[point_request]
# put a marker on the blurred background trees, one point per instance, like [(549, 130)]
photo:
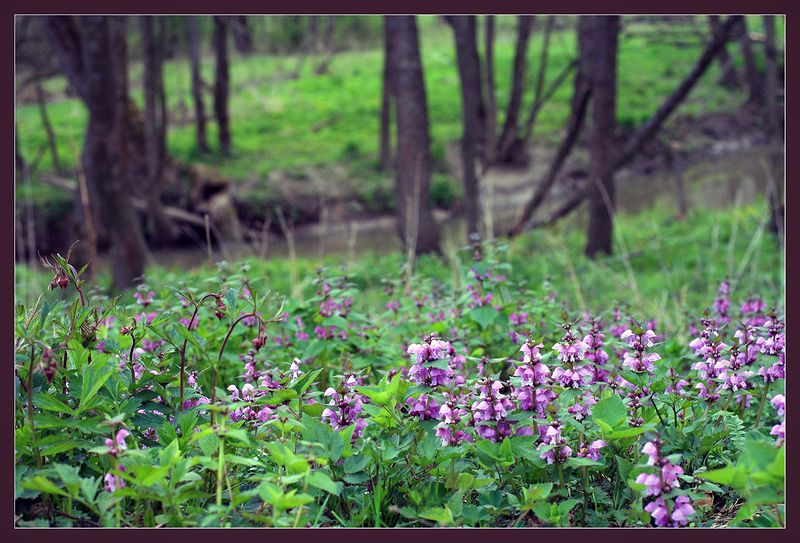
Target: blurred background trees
[(502, 123)]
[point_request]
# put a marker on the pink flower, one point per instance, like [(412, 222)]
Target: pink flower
[(114, 482), (118, 444), (779, 403)]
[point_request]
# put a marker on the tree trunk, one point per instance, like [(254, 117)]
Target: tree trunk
[(647, 130), (48, 128), (509, 132), (729, 78), (221, 84), (161, 228), (469, 71), (386, 109), (774, 127), (93, 55), (603, 74), (752, 77), (580, 101), (490, 139), (197, 85), (416, 225), (242, 38)]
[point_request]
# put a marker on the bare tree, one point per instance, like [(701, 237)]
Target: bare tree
[(416, 225), (580, 101), (221, 84), (729, 77), (490, 140), (603, 75), (774, 125), (469, 71), (92, 52), (242, 38), (647, 130), (509, 132), (752, 76), (197, 84), (162, 230)]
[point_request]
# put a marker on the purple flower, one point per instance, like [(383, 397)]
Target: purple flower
[(682, 510), (518, 319), (637, 359), (651, 450), (591, 452), (344, 407), (430, 350), (117, 445), (423, 407), (113, 482), (652, 483), (779, 431), (144, 300), (779, 403)]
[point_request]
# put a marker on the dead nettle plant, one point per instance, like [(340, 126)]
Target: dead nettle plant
[(220, 309)]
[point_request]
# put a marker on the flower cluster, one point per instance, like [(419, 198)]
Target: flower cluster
[(637, 359), (345, 407), (426, 369), (665, 510)]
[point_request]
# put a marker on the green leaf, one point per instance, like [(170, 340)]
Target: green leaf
[(442, 515), (169, 455), (354, 464), (483, 315), (49, 402), (609, 413), (94, 377), (320, 479), (580, 462), (43, 484)]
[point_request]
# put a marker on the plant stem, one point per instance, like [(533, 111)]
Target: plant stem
[(30, 410), (214, 368), (761, 404), (220, 470), (130, 363), (183, 348)]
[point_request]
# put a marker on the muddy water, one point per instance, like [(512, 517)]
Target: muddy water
[(725, 177)]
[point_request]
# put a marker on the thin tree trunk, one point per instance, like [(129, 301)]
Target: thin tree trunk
[(752, 77), (729, 78), (242, 38), (774, 127), (652, 125), (469, 71), (330, 46), (416, 225), (540, 75), (221, 84), (580, 101), (490, 139), (386, 110), (162, 230), (48, 128), (603, 74), (197, 85), (509, 132)]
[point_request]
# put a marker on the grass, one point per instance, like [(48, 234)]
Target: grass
[(662, 268), (273, 115)]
